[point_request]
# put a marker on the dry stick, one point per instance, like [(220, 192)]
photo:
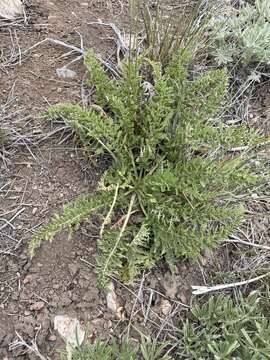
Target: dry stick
[(33, 348), (110, 67), (13, 218), (148, 307), (56, 42), (137, 299), (243, 242), (200, 290), (117, 32), (166, 320)]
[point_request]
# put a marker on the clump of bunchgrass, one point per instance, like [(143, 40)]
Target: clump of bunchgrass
[(168, 30)]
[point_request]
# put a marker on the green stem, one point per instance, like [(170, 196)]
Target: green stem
[(141, 206), (131, 203), (108, 216), (106, 148)]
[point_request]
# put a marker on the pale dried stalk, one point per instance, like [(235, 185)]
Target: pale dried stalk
[(201, 290)]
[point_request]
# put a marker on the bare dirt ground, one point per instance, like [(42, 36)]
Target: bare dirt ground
[(40, 170)]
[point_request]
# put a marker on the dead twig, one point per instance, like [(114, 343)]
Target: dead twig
[(72, 49), (32, 347), (201, 290), (236, 240), (9, 222)]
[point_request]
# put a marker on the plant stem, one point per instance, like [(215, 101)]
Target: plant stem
[(131, 203), (107, 218)]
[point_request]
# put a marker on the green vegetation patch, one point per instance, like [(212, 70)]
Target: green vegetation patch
[(174, 173)]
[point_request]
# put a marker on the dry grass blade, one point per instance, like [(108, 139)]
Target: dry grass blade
[(166, 32)]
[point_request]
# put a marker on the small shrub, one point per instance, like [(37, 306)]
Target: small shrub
[(244, 38), (173, 174), (222, 330)]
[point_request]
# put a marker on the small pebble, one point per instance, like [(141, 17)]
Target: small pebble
[(27, 279), (66, 73), (37, 306)]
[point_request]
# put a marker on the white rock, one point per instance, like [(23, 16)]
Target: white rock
[(165, 307), (10, 9), (111, 298), (65, 72), (71, 332)]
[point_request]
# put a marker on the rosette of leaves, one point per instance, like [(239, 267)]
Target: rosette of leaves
[(172, 187)]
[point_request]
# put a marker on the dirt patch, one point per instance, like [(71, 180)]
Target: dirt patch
[(37, 178)]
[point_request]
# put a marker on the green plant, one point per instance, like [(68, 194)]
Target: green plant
[(174, 173), (166, 32), (222, 330), (99, 350), (245, 36)]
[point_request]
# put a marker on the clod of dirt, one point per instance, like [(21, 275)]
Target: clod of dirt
[(10, 9), (37, 306), (169, 282), (27, 279), (165, 307), (26, 326), (73, 268)]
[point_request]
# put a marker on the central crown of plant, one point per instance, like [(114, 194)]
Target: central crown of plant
[(169, 192)]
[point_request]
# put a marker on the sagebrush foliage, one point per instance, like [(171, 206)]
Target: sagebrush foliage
[(245, 36), (222, 330), (173, 174)]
